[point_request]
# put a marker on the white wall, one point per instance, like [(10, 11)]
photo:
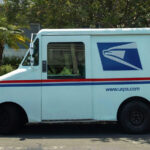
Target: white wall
[(8, 52)]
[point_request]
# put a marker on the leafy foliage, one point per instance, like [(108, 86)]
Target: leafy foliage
[(10, 35), (9, 64), (14, 61), (16, 11), (79, 13), (5, 69), (69, 14)]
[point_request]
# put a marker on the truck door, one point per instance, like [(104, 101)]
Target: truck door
[(65, 67)]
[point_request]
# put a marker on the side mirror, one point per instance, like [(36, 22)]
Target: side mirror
[(31, 53), (31, 48), (31, 45)]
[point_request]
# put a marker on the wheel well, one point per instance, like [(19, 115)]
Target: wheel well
[(135, 98), (19, 108)]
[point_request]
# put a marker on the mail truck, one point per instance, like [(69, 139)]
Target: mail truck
[(80, 75)]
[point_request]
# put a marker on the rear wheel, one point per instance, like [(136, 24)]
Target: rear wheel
[(9, 119), (134, 117)]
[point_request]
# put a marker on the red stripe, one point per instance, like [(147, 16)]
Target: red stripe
[(76, 80), (21, 81)]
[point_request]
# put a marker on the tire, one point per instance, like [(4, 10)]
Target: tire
[(9, 119), (134, 117)]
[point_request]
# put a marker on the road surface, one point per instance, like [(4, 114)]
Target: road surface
[(74, 137)]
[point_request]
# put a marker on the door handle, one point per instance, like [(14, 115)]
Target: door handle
[(44, 66)]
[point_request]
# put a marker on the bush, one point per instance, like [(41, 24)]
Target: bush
[(9, 64), (13, 61), (5, 69)]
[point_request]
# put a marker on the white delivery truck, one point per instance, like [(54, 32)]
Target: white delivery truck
[(80, 75)]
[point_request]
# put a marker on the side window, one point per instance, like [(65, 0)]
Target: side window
[(66, 60), (35, 55)]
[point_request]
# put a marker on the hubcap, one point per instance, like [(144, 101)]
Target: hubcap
[(136, 117)]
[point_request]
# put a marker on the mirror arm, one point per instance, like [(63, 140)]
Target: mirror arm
[(31, 54), (31, 37)]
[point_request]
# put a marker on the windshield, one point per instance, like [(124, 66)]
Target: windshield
[(26, 61)]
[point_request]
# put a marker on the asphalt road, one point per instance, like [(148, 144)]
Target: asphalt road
[(74, 137)]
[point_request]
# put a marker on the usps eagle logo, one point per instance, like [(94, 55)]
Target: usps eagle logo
[(119, 56)]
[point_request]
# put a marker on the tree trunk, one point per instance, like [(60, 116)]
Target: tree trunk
[(1, 52)]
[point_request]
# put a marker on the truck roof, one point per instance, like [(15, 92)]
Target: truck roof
[(112, 31)]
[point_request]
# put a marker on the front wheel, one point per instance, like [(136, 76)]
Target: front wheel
[(134, 117), (9, 119)]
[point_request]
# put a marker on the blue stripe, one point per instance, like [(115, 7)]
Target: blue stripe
[(74, 84)]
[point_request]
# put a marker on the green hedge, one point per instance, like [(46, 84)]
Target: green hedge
[(14, 61), (9, 64), (5, 69)]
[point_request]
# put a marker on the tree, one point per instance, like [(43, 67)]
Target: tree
[(69, 14), (16, 11), (10, 35), (79, 13)]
